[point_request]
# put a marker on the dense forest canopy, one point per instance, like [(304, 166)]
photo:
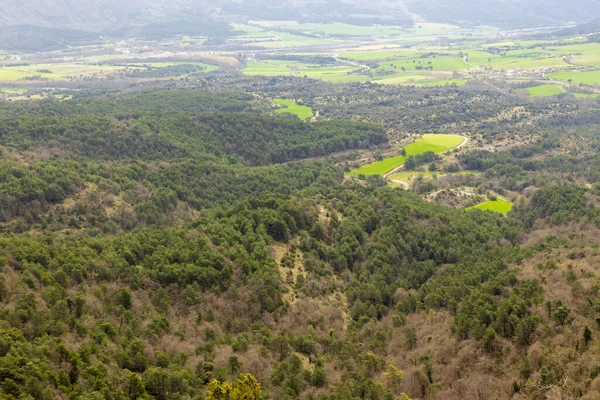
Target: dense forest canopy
[(218, 206)]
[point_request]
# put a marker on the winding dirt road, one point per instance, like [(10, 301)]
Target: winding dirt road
[(399, 167)]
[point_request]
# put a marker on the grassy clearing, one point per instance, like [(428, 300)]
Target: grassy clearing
[(545, 90), (577, 77), (56, 71), (429, 142), (582, 54), (500, 206), (432, 64), (256, 68), (420, 80), (333, 74), (585, 95), (303, 112), (525, 59)]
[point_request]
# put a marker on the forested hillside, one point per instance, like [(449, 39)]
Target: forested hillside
[(183, 244)]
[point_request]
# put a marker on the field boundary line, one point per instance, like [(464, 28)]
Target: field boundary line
[(397, 168)]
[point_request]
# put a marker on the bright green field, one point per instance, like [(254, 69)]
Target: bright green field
[(303, 112), (429, 142), (333, 74), (585, 95), (256, 68), (58, 71), (437, 63), (499, 206), (584, 54), (545, 90), (577, 77)]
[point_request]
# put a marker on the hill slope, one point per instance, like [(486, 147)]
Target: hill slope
[(110, 14)]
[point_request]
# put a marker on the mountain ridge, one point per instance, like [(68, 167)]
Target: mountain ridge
[(97, 16)]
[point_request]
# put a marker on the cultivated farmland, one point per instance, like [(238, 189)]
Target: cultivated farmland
[(428, 142), (499, 205), (291, 107)]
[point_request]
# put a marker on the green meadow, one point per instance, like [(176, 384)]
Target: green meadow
[(577, 77), (428, 142), (433, 64), (500, 206), (259, 68), (303, 112), (585, 95), (545, 90)]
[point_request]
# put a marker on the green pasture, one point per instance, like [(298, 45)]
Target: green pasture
[(303, 112), (259, 68), (581, 54), (412, 79), (57, 71), (577, 77), (425, 64), (428, 142), (545, 90), (585, 95), (333, 74), (499, 206)]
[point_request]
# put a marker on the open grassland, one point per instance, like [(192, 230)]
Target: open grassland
[(431, 64), (55, 71), (420, 79), (333, 74), (577, 77), (259, 68), (585, 95), (380, 55), (530, 60), (336, 74), (303, 112), (581, 54), (428, 142), (500, 206), (545, 90)]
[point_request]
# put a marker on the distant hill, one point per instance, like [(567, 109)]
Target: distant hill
[(50, 24), (506, 13)]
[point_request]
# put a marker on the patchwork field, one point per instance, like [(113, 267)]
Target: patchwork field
[(291, 107), (585, 95), (577, 77), (431, 64), (545, 90), (259, 68), (499, 206), (428, 142), (55, 72)]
